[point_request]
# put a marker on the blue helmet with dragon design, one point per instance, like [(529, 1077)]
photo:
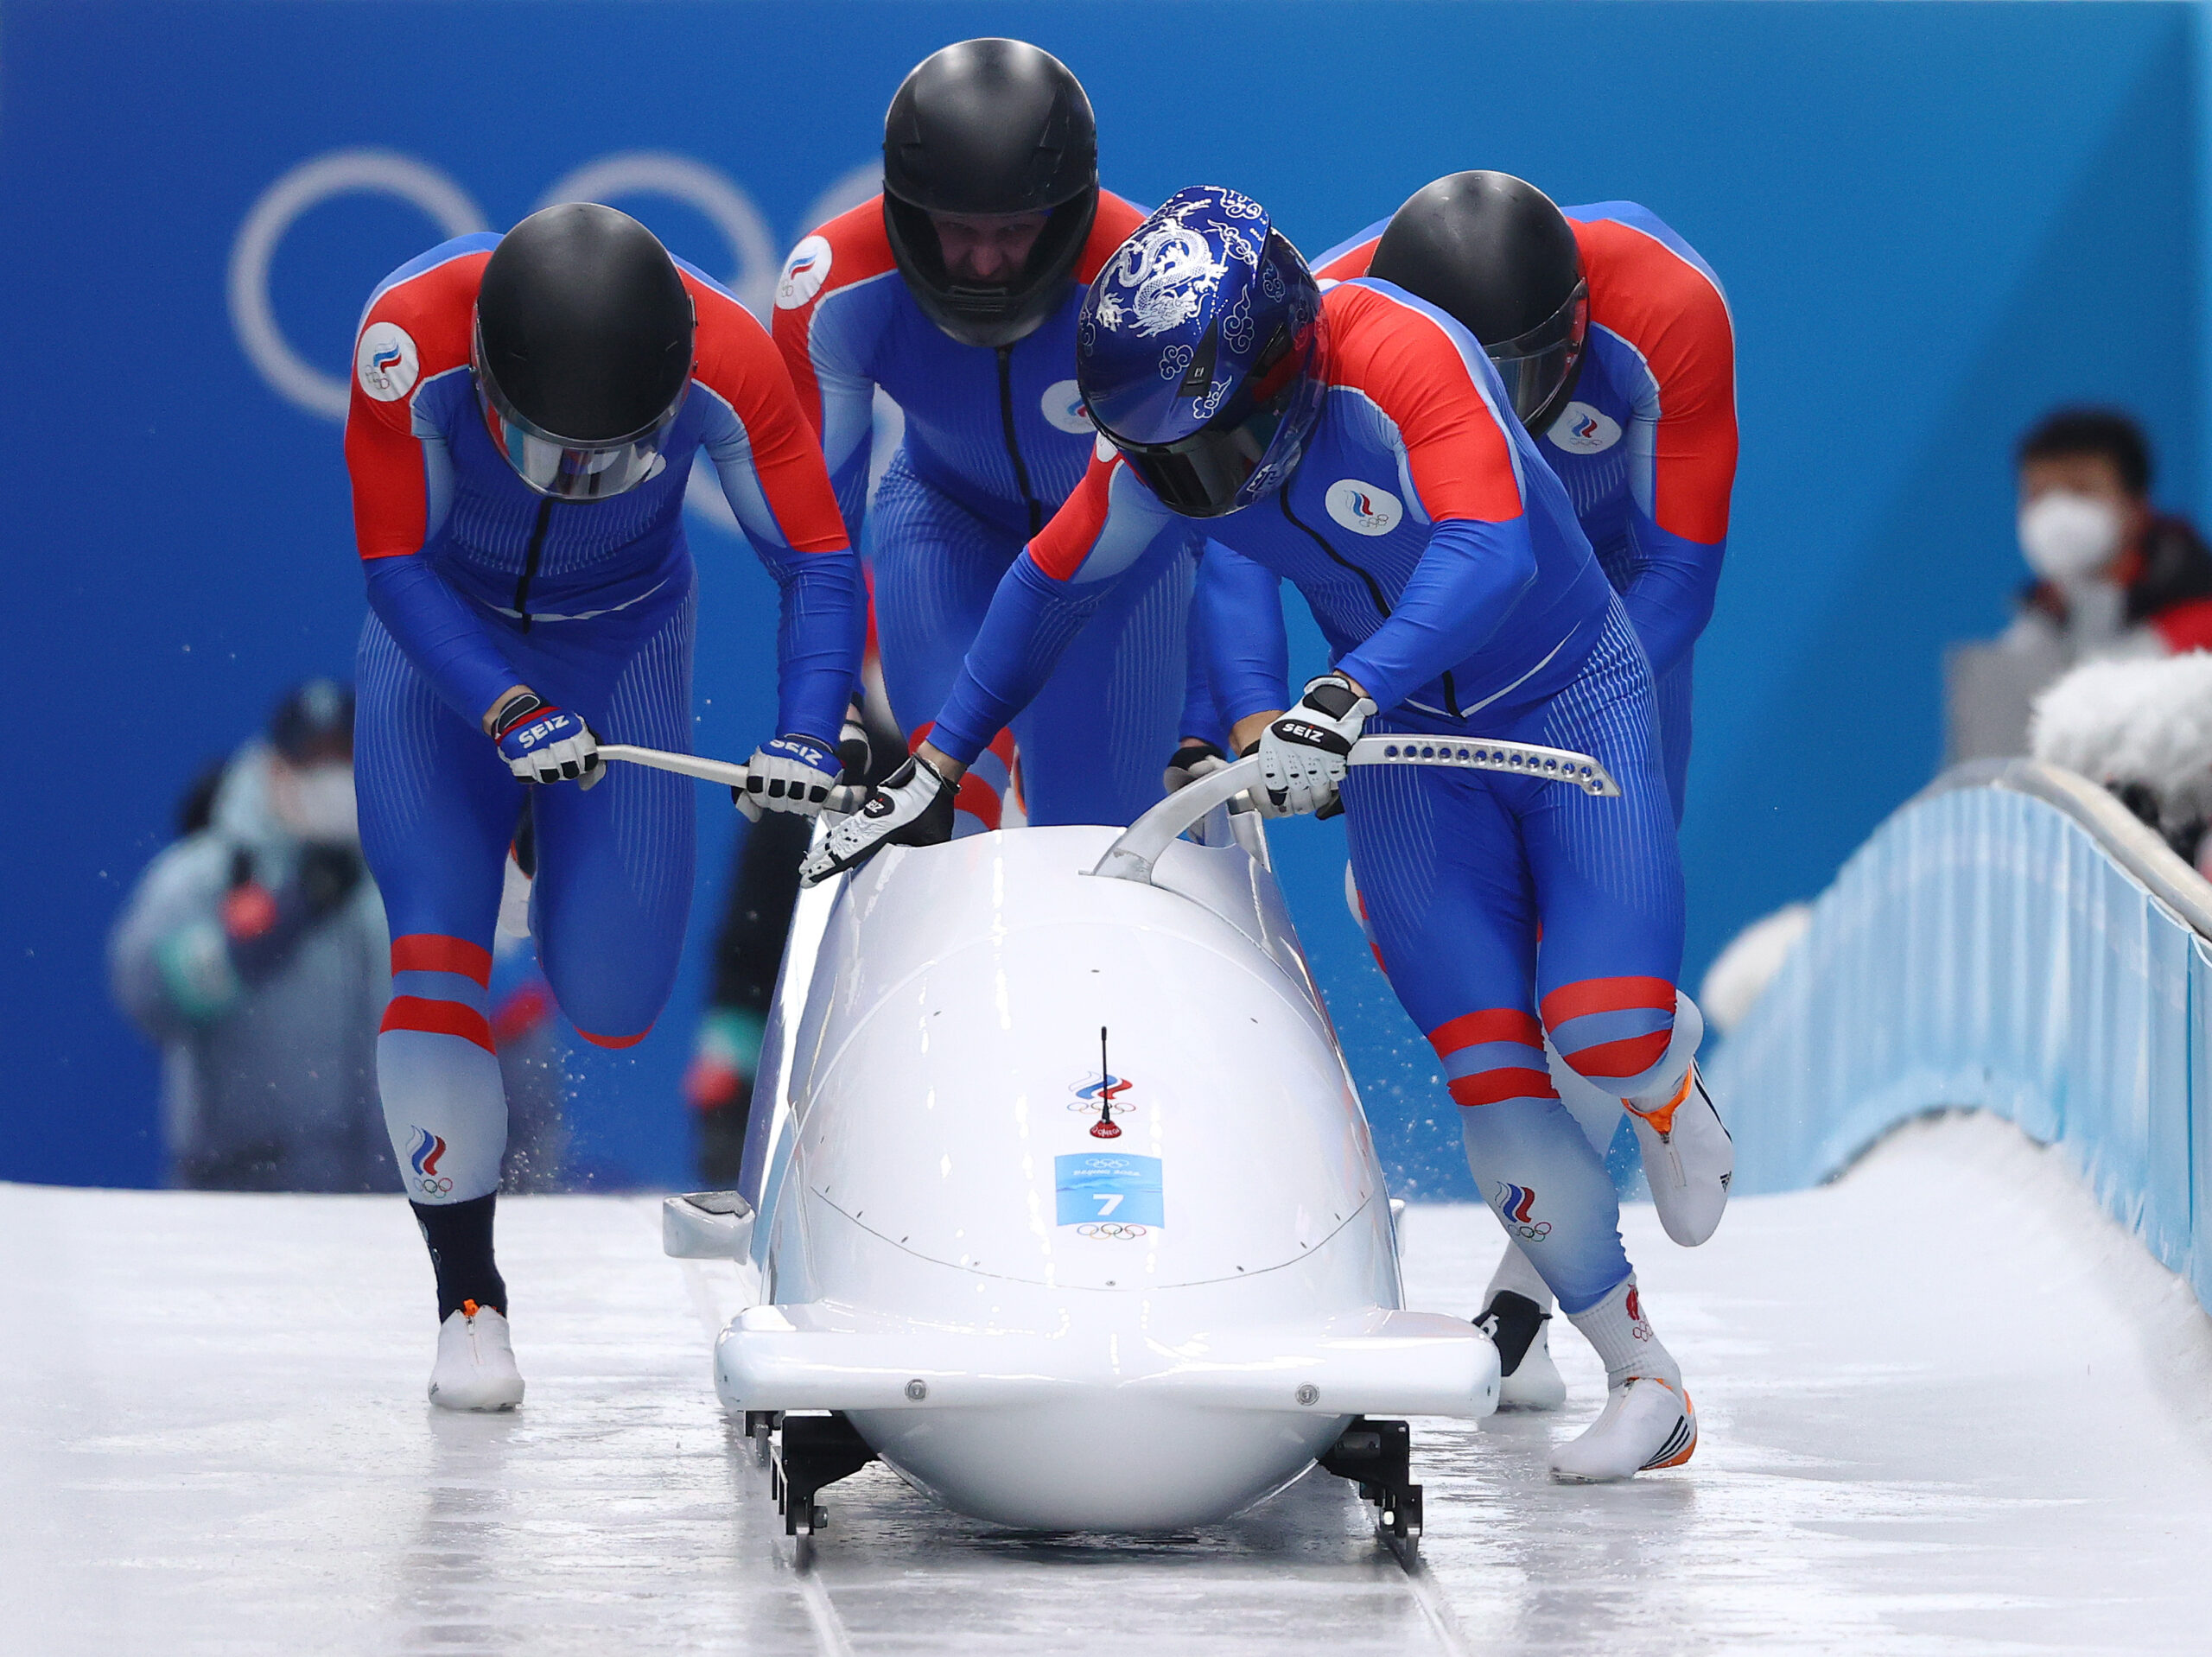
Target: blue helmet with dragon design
[(1199, 352)]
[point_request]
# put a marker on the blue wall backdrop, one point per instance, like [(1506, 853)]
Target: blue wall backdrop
[(1933, 221)]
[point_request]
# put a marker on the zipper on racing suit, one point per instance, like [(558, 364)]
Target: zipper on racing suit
[(1374, 586), (1013, 445), (530, 560)]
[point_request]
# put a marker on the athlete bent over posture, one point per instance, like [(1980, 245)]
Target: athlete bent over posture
[(524, 414), (1363, 446), (955, 292), (1614, 340)]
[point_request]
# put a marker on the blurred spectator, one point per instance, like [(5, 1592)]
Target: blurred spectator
[(2112, 577), (254, 951)]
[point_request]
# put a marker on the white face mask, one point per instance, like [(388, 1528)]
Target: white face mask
[(2069, 538), (317, 803)]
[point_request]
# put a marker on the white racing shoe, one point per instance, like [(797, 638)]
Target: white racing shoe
[(1647, 1420), (1689, 1158), (1646, 1424), (1527, 1379), (475, 1369)]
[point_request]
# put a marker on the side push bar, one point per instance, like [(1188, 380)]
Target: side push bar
[(1132, 856), (842, 798)]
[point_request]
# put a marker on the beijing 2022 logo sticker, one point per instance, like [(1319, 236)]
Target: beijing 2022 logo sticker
[(386, 362), (1363, 508), (804, 272)]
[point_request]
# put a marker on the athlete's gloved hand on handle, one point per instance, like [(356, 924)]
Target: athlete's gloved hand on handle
[(1194, 760), (791, 772), (1303, 755), (912, 807), (544, 744)]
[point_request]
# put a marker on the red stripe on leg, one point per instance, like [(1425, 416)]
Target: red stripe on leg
[(435, 952), (1631, 1055), (1493, 1086), (1489, 1024), (978, 799), (1589, 995), (435, 1018)]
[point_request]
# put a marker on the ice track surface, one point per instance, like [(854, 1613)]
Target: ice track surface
[(1948, 1407)]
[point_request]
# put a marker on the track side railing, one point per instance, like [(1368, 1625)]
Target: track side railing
[(2011, 939)]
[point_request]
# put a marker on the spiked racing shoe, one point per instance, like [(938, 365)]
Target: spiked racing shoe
[(475, 1369), (1529, 1380), (1646, 1424), (1689, 1158)]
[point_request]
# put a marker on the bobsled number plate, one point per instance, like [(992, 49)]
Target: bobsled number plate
[(1107, 1188)]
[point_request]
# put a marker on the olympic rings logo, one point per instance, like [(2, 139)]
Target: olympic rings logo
[(754, 260), (1109, 1228), (438, 1187)]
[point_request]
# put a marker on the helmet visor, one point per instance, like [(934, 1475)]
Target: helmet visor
[(1537, 365), (1210, 474), (565, 468)]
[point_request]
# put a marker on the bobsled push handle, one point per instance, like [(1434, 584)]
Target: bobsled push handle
[(843, 798), (1132, 856)]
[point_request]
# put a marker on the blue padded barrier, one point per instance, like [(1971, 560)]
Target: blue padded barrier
[(2012, 940)]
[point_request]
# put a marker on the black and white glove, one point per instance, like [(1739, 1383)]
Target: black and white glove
[(1192, 761), (544, 744), (791, 772), (1303, 755), (912, 807), (854, 751)]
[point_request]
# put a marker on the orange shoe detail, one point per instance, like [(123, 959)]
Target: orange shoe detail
[(1662, 1118)]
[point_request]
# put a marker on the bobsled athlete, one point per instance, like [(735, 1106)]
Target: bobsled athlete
[(1614, 341), (1363, 446), (955, 293), (525, 411)]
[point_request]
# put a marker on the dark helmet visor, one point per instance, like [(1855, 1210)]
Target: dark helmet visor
[(1538, 366), (562, 467), (1203, 475)]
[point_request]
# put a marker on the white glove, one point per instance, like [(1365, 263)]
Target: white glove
[(1303, 755), (544, 744), (789, 773), (913, 807)]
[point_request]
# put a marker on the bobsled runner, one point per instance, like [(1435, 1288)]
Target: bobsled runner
[(1057, 1196)]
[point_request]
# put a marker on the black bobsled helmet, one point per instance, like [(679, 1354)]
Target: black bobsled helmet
[(1493, 251), (583, 350), (986, 128)]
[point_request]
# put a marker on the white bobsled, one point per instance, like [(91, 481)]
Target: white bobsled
[(1059, 1196)]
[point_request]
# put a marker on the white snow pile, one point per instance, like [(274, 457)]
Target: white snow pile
[(1753, 959), (2147, 723)]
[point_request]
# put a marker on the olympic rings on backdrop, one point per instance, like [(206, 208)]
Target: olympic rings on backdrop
[(751, 273), (1111, 1229)]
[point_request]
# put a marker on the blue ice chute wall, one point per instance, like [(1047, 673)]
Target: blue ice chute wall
[(1933, 221), (2012, 940)]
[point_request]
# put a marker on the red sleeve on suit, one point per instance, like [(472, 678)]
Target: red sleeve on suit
[(1062, 545), (384, 457), (853, 247), (1670, 310), (1349, 264), (735, 358), (2185, 626), (1410, 367)]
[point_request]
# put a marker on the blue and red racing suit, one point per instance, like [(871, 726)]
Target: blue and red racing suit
[(1446, 568), (476, 584), (994, 439), (1646, 447)]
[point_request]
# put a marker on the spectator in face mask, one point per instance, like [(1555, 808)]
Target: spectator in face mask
[(2112, 577), (254, 951)]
